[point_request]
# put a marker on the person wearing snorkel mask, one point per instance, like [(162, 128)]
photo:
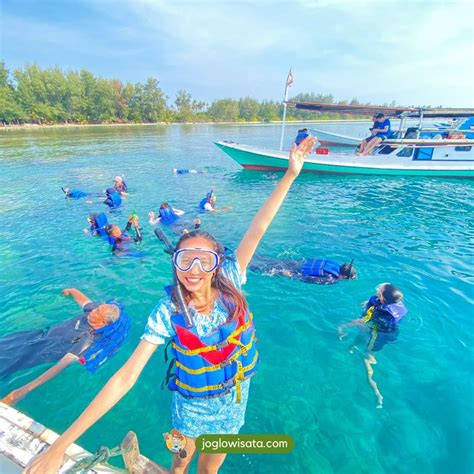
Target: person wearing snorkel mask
[(207, 319), (120, 186), (316, 271), (91, 338), (379, 323), (208, 203), (119, 239)]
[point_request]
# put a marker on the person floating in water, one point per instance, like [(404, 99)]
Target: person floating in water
[(120, 186), (91, 339), (97, 224), (75, 193), (318, 271), (206, 317), (382, 315), (113, 198), (187, 171), (208, 203), (120, 240), (302, 134), (167, 215)]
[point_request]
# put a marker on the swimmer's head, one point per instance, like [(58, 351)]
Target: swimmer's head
[(118, 179), (66, 190), (103, 315), (164, 205), (211, 197), (347, 271), (388, 293)]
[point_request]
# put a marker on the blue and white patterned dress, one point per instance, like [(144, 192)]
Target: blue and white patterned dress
[(196, 416)]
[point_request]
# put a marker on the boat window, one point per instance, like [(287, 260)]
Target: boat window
[(462, 148), (423, 153), (406, 152), (386, 150)]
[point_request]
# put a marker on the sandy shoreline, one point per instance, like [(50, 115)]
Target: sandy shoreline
[(31, 126)]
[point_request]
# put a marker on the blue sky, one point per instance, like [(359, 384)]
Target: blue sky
[(413, 52)]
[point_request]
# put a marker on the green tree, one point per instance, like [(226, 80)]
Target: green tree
[(224, 110), (184, 106), (249, 109)]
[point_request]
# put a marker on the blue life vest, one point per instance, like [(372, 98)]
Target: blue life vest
[(182, 171), (211, 365), (111, 338), (385, 317), (320, 267), (168, 216), (114, 200), (206, 200), (76, 194), (99, 224)]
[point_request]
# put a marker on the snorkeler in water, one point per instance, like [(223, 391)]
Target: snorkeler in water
[(167, 215), (317, 271), (120, 186), (120, 240), (208, 203), (75, 193), (113, 198), (91, 338), (382, 315), (187, 171)]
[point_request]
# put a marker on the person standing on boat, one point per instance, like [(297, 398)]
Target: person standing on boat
[(214, 348), (380, 131), (91, 338)]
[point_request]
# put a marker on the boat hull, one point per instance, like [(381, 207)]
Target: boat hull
[(254, 158)]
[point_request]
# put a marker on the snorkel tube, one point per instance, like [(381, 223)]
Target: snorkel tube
[(179, 292)]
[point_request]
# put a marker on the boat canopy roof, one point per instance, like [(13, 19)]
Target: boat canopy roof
[(387, 111)]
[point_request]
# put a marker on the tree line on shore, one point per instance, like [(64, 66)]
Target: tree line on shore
[(53, 96)]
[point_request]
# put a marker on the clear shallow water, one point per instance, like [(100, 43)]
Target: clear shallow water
[(416, 233)]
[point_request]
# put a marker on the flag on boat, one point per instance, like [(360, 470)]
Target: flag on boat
[(289, 79)]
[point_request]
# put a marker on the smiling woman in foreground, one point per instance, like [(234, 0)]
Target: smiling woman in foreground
[(215, 355)]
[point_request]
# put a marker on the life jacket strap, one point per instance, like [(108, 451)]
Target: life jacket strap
[(168, 375), (243, 350), (372, 338), (234, 381), (369, 314)]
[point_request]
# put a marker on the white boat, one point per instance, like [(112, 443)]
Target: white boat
[(22, 438), (440, 158)]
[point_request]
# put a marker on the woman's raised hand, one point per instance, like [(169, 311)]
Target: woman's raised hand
[(298, 154)]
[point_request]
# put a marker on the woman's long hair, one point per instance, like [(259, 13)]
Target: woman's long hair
[(233, 300)]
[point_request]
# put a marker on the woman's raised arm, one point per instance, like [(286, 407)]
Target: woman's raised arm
[(265, 215), (122, 381)]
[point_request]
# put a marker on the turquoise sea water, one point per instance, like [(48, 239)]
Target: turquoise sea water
[(415, 233)]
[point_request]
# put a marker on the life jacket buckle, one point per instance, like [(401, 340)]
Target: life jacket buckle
[(221, 345), (228, 383), (226, 363)]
